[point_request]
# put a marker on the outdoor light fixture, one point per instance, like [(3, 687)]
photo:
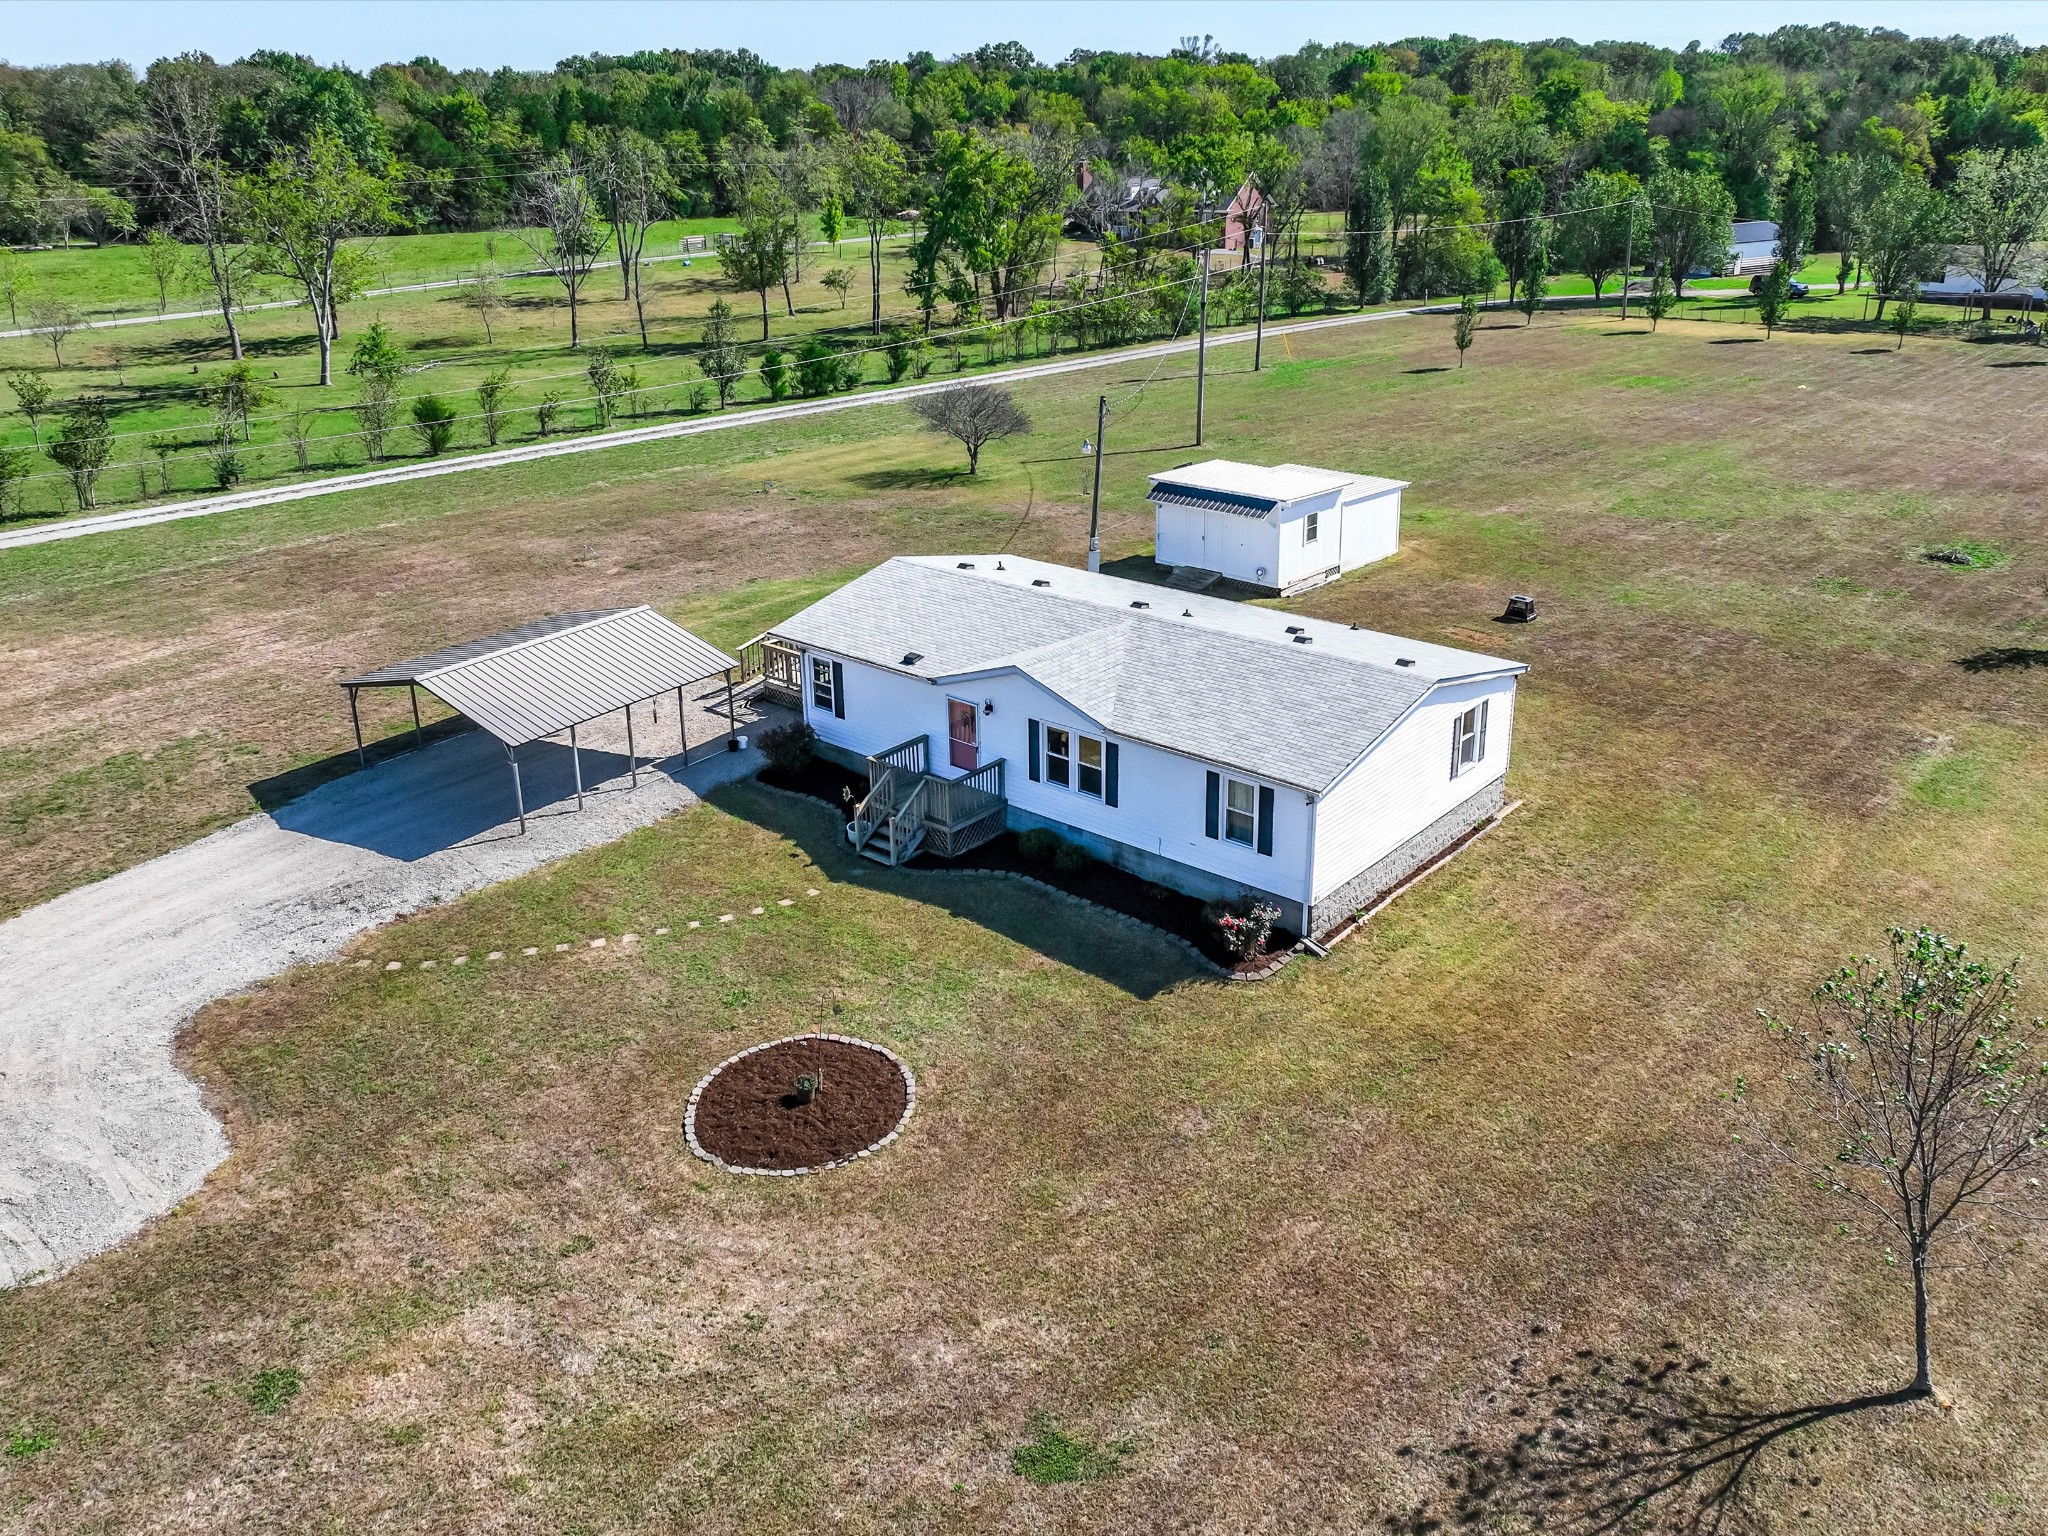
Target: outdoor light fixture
[(988, 706)]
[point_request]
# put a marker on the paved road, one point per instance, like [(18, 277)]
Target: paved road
[(99, 1130), (143, 517)]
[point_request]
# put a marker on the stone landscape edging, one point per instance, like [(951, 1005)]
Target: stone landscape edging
[(1194, 950), (697, 1093)]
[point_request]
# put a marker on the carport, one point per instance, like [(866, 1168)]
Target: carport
[(555, 674)]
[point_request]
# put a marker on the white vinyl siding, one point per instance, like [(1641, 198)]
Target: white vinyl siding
[(1401, 786)]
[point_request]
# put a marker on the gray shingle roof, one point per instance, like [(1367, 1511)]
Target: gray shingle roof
[(1211, 679)]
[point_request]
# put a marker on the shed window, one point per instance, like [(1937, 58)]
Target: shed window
[(822, 695), (1309, 527), (1241, 812), (1468, 739)]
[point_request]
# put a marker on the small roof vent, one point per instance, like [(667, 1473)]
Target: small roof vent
[(1304, 639), (912, 658), (1404, 661), (1139, 603), (965, 565), (1040, 581), (1296, 629), (1187, 613)]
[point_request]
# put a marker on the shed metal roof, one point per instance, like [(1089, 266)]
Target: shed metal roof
[(544, 677), (1253, 490), (1211, 679)]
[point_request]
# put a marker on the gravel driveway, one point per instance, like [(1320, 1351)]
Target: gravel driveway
[(99, 1131)]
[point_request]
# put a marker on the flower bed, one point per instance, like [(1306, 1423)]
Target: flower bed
[(1103, 884), (800, 1105)]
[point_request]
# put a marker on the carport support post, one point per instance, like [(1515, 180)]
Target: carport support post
[(518, 789), (732, 713), (356, 719), (417, 738), (632, 757), (576, 758), (683, 727)]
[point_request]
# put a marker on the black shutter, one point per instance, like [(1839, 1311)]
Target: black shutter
[(1210, 827), (1031, 749), (1265, 819), (838, 690), (1109, 773)]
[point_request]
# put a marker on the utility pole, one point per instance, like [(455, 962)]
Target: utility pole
[(1201, 350), (1095, 496), (1259, 337), (1628, 261)]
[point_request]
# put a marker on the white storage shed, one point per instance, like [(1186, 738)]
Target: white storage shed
[(1281, 529)]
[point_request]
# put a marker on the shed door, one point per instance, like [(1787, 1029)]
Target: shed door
[(960, 729)]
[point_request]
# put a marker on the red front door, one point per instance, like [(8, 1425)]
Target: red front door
[(960, 728)]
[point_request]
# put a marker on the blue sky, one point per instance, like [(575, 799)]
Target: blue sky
[(799, 33)]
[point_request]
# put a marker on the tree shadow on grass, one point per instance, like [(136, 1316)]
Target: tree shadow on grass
[(2004, 658), (1872, 351), (1090, 941), (1595, 1444), (2023, 362), (909, 479), (1440, 368), (1735, 341)]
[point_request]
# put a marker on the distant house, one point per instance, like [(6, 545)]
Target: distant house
[(1755, 245), (1281, 529), (1958, 283), (1246, 213), (1210, 746)]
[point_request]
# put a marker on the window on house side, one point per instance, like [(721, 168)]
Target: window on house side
[(1468, 739), (1090, 781), (1059, 757), (1241, 812), (1308, 527), (821, 683)]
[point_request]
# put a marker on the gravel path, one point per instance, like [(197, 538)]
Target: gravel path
[(99, 1130)]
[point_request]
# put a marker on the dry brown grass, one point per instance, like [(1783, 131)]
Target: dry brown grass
[(1280, 1245)]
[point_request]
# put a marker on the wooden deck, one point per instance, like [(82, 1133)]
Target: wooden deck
[(909, 809)]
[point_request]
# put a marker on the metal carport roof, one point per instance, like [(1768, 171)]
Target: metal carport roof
[(544, 677)]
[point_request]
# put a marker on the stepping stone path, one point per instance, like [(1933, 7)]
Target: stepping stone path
[(600, 942)]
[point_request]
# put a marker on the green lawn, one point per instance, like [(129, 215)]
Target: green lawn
[(1291, 1255)]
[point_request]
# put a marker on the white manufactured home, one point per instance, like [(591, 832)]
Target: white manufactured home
[(1213, 747), (1280, 529)]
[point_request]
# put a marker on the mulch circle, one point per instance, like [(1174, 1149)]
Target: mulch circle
[(746, 1116)]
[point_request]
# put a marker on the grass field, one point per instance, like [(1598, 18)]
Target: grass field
[(1285, 1257), (153, 376)]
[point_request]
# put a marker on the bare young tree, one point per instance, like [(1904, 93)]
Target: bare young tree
[(1926, 1101), (562, 229), (484, 291), (178, 153), (974, 414), (638, 190), (853, 99), (55, 320)]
